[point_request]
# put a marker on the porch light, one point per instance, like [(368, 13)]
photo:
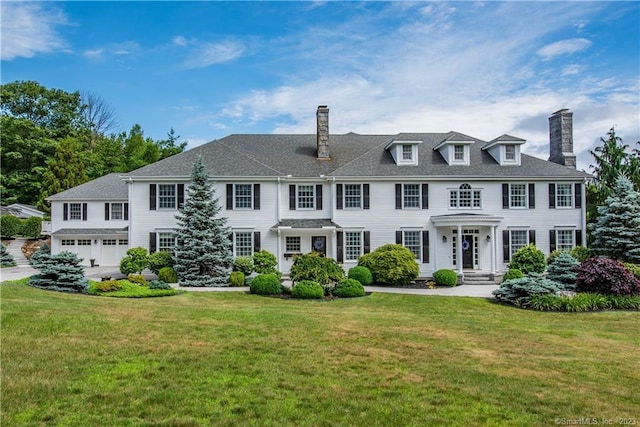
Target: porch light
[(444, 239), (488, 238)]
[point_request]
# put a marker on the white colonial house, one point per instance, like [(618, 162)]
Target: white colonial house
[(455, 201)]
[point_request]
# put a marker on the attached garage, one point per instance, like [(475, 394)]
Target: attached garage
[(106, 246)]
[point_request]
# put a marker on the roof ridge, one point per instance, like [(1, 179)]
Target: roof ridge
[(229, 146)]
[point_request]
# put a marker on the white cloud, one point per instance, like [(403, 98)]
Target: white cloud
[(29, 29), (207, 54), (179, 41), (93, 53), (563, 47)]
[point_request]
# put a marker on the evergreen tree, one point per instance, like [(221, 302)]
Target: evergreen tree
[(617, 232), (203, 255), (65, 170), (61, 272), (563, 269), (6, 260)]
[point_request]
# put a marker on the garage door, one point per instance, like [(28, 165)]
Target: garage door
[(80, 247), (113, 250)]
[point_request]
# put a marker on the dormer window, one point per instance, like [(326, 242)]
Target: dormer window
[(505, 150), (510, 152), (456, 150), (404, 153), (458, 153), (407, 152)]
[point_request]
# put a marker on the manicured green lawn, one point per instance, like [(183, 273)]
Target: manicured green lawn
[(236, 359)]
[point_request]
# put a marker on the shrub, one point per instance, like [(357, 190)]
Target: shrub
[(6, 260), (243, 264), (265, 284), (361, 274), (580, 253), (137, 278), (10, 225), (31, 228), (61, 272), (519, 292), (349, 288), (236, 278), (607, 277), (528, 259), (563, 270), (307, 289), (445, 277), (159, 284), (135, 261), (107, 286), (512, 273), (391, 264), (264, 262), (633, 269), (316, 268), (43, 252), (168, 275), (159, 260), (553, 255)]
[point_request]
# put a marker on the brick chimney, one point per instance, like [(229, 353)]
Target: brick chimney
[(561, 138), (322, 116)]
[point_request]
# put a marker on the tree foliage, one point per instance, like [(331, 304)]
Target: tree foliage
[(6, 259), (61, 272), (391, 264), (136, 260), (203, 256)]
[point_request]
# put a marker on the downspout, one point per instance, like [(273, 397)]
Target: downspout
[(583, 212)]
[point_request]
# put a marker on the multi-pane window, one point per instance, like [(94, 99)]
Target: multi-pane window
[(411, 241), (518, 239), (411, 196), (564, 195), (564, 240), (123, 242), (352, 196), (465, 197), (306, 196), (117, 211), (75, 211), (518, 196), (407, 152), (67, 242), (352, 245), (166, 242), (244, 196), (510, 152), (243, 244), (84, 242), (458, 153), (292, 244), (167, 196), (109, 242)]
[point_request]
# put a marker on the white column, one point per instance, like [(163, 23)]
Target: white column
[(459, 249), (279, 249), (494, 264)]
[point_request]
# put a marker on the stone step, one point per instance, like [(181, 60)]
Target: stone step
[(15, 249)]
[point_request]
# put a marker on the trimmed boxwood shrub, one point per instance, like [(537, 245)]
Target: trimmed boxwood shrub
[(243, 264), (265, 284), (236, 278), (307, 289), (10, 225), (316, 268), (391, 264), (168, 275), (512, 273), (349, 288), (445, 277), (519, 292), (159, 260), (607, 277), (529, 259), (361, 274)]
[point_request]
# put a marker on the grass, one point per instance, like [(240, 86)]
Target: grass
[(207, 358)]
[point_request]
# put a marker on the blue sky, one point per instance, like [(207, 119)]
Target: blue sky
[(209, 69)]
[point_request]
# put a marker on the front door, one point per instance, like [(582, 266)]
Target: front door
[(467, 251), (319, 244)]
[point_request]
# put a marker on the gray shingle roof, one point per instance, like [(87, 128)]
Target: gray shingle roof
[(91, 232), (306, 223), (108, 187)]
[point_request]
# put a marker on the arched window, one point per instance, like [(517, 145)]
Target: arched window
[(465, 197)]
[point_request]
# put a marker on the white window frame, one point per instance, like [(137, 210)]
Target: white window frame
[(241, 199), (75, 211), (306, 201), (416, 197), (353, 245), (459, 153), (113, 211), (510, 153), (523, 197), (561, 242), (167, 201), (352, 201), (473, 201), (514, 246), (84, 242), (293, 244), (564, 199), (406, 152), (166, 242), (246, 248), (415, 246), (67, 242)]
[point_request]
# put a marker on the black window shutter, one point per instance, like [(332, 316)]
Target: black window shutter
[(338, 196), (398, 237), (152, 197), (365, 196), (532, 237), (256, 197), (532, 196), (126, 211), (256, 241), (552, 196), (231, 242), (152, 242), (180, 195), (367, 242), (339, 248), (229, 197), (65, 211), (552, 240), (425, 246), (578, 196), (106, 211), (84, 211), (292, 197), (398, 196), (319, 197), (425, 196), (505, 196), (506, 253), (578, 241)]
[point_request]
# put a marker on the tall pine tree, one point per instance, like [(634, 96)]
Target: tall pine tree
[(617, 232), (203, 254)]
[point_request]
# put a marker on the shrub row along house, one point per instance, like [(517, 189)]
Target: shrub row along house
[(455, 201)]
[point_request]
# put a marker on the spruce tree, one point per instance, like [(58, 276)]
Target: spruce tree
[(203, 254), (6, 260), (617, 232), (563, 269), (61, 272)]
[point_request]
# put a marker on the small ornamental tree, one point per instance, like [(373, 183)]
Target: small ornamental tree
[(136, 260), (61, 272), (529, 259), (5, 257), (563, 270), (617, 232), (203, 256), (264, 262)]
